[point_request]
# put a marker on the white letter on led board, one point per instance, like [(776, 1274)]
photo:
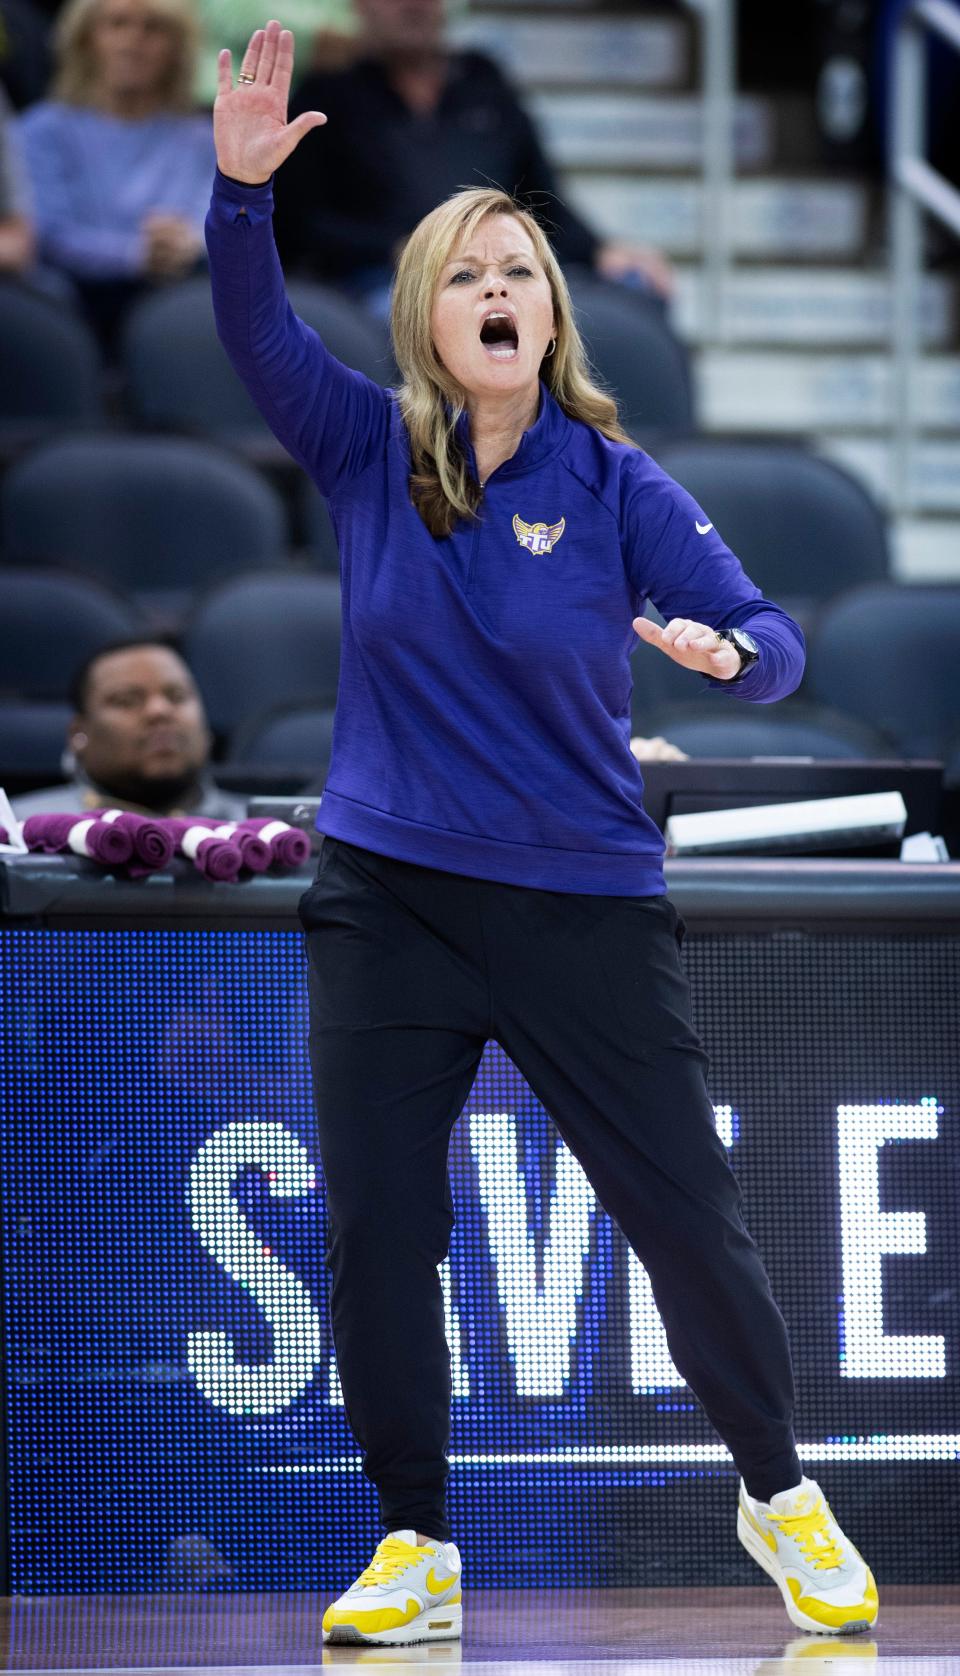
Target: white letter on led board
[(541, 1323), (869, 1233), (266, 1387)]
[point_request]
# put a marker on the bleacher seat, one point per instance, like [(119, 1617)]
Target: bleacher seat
[(637, 355), (50, 368), (160, 518), (178, 375), (802, 527), (888, 653), (793, 730), (50, 622), (291, 736), (32, 738), (262, 641)]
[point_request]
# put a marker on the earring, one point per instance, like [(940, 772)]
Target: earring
[(80, 739), (550, 351)]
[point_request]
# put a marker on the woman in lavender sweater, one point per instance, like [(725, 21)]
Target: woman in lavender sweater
[(119, 163)]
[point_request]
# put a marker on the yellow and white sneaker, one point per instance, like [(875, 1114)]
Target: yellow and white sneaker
[(827, 1587), (407, 1593)]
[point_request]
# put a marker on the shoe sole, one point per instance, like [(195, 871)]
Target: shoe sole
[(765, 1560), (439, 1623)]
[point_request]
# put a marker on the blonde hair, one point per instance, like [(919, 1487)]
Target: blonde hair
[(442, 487), (75, 75)]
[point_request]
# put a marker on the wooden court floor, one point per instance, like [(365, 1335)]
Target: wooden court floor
[(541, 1632)]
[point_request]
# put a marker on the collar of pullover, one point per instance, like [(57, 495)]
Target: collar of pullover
[(542, 439)]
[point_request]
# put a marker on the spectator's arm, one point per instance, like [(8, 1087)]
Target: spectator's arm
[(63, 239), (17, 244), (17, 241)]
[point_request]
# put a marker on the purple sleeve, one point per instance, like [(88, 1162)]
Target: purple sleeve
[(333, 420), (676, 558)]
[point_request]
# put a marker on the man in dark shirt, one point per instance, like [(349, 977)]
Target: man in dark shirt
[(139, 739), (408, 123)]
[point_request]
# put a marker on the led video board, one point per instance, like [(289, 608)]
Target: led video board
[(174, 1412)]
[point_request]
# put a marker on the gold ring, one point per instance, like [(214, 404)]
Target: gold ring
[(721, 638), (244, 77)]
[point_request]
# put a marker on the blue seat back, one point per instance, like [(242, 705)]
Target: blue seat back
[(265, 640)]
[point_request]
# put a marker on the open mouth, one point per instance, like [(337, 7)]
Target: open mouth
[(498, 334)]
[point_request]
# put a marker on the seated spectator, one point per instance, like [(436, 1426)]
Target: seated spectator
[(410, 122), (119, 164), (324, 31), (139, 739), (16, 228)]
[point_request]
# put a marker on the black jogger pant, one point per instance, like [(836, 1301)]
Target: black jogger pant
[(411, 971)]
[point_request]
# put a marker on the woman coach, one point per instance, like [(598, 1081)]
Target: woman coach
[(488, 870)]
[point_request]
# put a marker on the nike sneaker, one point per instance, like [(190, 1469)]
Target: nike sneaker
[(407, 1593), (826, 1586)]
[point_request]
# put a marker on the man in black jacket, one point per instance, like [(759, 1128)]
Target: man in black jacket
[(409, 122)]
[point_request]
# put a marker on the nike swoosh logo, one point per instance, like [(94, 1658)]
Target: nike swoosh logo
[(435, 1585), (702, 529)]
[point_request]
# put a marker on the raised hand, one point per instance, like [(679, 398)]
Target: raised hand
[(250, 127), (691, 644)]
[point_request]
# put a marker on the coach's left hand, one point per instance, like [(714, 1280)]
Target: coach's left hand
[(693, 645)]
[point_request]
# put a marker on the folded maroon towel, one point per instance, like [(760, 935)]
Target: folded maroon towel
[(83, 834), (110, 844), (257, 855), (289, 846), (48, 833), (216, 858), (153, 841)]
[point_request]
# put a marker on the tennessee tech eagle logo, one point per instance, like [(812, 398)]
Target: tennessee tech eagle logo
[(539, 538)]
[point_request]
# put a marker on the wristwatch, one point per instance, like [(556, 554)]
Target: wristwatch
[(746, 646)]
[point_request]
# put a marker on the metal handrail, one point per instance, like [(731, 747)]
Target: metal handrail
[(918, 188), (718, 163)]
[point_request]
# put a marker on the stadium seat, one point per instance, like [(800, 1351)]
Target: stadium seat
[(888, 653), (637, 355), (178, 374), (793, 730), (158, 517), (263, 641), (50, 367), (291, 736), (32, 739), (803, 528), (50, 622)]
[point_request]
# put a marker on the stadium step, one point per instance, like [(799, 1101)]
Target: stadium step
[(611, 51), (926, 549), (794, 306), (935, 477), (758, 391), (773, 218), (644, 130)]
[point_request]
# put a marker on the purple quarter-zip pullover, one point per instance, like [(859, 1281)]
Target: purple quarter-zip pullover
[(483, 713)]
